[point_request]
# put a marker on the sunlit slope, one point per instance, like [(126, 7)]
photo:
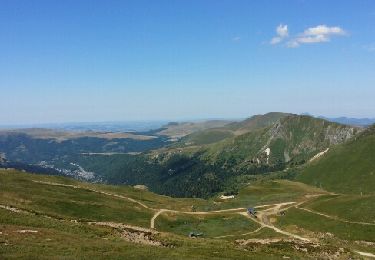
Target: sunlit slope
[(58, 217), (256, 122), (213, 135), (347, 168), (293, 139)]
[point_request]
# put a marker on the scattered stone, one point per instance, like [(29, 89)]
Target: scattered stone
[(140, 187), (27, 231), (134, 234)]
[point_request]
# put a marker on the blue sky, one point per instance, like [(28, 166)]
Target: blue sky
[(163, 59)]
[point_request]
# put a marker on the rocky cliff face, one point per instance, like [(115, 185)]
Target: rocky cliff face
[(299, 138)]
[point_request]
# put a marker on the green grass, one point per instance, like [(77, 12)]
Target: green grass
[(20, 191), (212, 225), (21, 184), (352, 208), (65, 240), (315, 223), (151, 199), (268, 192), (347, 168), (58, 237), (208, 136)]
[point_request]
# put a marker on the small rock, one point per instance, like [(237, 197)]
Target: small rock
[(27, 231)]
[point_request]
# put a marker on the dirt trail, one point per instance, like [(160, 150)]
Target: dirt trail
[(335, 218), (123, 226), (244, 234), (365, 254), (96, 191), (152, 224), (263, 216)]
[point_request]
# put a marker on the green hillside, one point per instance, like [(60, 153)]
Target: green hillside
[(347, 168), (203, 170), (204, 163), (256, 122), (213, 135), (291, 140), (49, 217)]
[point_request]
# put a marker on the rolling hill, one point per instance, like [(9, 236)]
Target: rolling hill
[(56, 217), (177, 130)]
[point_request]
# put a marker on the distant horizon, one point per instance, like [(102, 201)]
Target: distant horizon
[(164, 121)]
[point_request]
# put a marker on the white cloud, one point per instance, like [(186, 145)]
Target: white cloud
[(282, 33), (282, 30), (320, 33), (324, 30)]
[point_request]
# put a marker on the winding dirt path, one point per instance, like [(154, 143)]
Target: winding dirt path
[(152, 224), (263, 218)]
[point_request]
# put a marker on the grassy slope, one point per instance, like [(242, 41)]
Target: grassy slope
[(66, 240), (58, 237), (349, 207), (214, 135), (294, 138), (347, 168), (298, 220), (20, 191), (186, 128), (267, 193), (256, 122), (212, 225), (207, 136)]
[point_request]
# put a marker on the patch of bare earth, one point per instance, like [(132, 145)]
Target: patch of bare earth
[(134, 234), (311, 249)]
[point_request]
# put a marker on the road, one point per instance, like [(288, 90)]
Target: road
[(263, 216)]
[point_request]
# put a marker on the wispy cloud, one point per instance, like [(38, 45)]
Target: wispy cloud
[(281, 33), (320, 33), (317, 34)]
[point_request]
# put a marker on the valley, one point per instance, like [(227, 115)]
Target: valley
[(275, 185), (211, 156)]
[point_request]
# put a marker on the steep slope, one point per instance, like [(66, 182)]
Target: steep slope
[(347, 168), (293, 139)]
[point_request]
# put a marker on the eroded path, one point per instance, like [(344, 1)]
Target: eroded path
[(263, 219)]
